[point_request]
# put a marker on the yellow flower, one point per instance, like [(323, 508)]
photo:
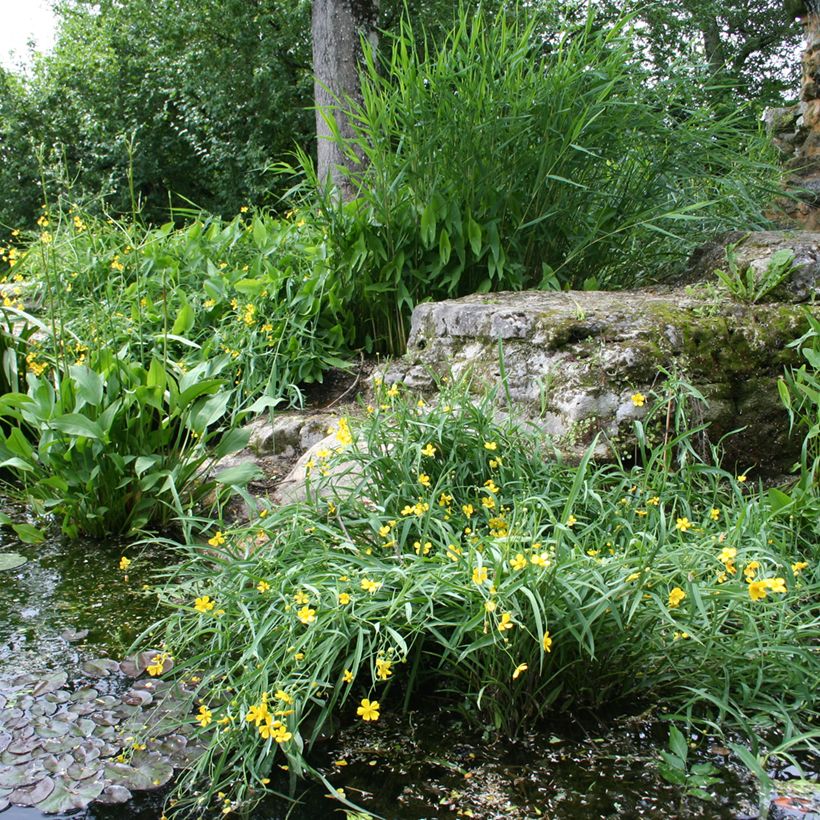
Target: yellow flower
[(467, 509), (369, 710), (282, 695), (675, 597), (714, 513), (428, 450), (301, 597), (742, 478), (489, 502), (347, 676), (490, 606), (495, 463), (204, 604), (422, 550), (751, 569), (491, 486), (257, 714), (633, 577), (490, 445), (384, 531), (306, 615), (453, 552), (445, 499), (727, 555), (424, 479), (799, 566), (369, 586), (654, 501), (540, 559), (677, 636), (572, 521), (344, 598), (263, 586), (683, 524), (480, 575), (383, 670), (125, 563), (546, 642), (506, 622), (157, 665), (217, 540), (281, 733), (393, 391), (775, 584), (519, 562), (205, 716), (757, 590), (522, 667), (638, 399)]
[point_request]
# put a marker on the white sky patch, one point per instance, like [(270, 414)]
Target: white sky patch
[(22, 21)]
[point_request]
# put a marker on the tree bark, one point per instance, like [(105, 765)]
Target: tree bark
[(337, 28)]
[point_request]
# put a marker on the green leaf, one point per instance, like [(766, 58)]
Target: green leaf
[(11, 560), (238, 476), (474, 235), (28, 533), (444, 247), (233, 441), (74, 424), (89, 385), (677, 742), (185, 319), (260, 232), (428, 225)]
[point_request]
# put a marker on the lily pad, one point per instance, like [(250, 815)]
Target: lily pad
[(14, 777), (4, 803), (52, 728), (68, 796), (5, 740), (100, 668), (11, 560), (24, 746), (84, 695), (114, 794), (72, 635), (59, 745), (49, 683), (43, 708), (29, 795), (147, 771), (137, 697)]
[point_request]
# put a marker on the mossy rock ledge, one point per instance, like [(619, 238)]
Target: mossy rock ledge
[(573, 360)]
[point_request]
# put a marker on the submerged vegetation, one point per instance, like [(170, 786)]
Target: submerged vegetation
[(443, 554)]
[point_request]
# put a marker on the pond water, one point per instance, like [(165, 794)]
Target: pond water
[(422, 765)]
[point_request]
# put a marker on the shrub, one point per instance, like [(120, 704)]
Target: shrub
[(505, 158), (443, 551)]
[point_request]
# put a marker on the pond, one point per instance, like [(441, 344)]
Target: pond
[(425, 764)]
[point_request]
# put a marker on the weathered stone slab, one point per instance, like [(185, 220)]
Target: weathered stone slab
[(573, 361)]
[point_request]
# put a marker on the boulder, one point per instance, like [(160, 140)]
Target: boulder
[(572, 362)]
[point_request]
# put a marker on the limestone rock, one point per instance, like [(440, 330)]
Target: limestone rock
[(755, 250), (573, 361)]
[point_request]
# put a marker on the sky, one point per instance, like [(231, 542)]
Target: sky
[(21, 21)]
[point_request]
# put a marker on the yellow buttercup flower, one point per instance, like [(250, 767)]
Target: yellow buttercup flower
[(205, 716), (714, 513), (675, 597), (257, 714), (301, 598), (638, 399), (263, 586), (306, 615), (217, 540), (519, 562), (506, 622), (344, 598), (546, 642), (125, 563), (572, 521), (369, 710), (428, 450), (683, 524), (522, 667), (369, 586), (157, 665), (383, 668), (347, 676), (204, 604), (480, 575), (757, 590), (799, 566), (424, 479), (490, 445)]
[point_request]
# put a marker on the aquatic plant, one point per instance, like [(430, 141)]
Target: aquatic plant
[(443, 551)]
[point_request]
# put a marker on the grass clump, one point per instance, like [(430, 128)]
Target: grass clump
[(454, 556), (507, 157)]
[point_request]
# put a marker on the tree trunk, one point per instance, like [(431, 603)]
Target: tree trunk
[(337, 27)]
